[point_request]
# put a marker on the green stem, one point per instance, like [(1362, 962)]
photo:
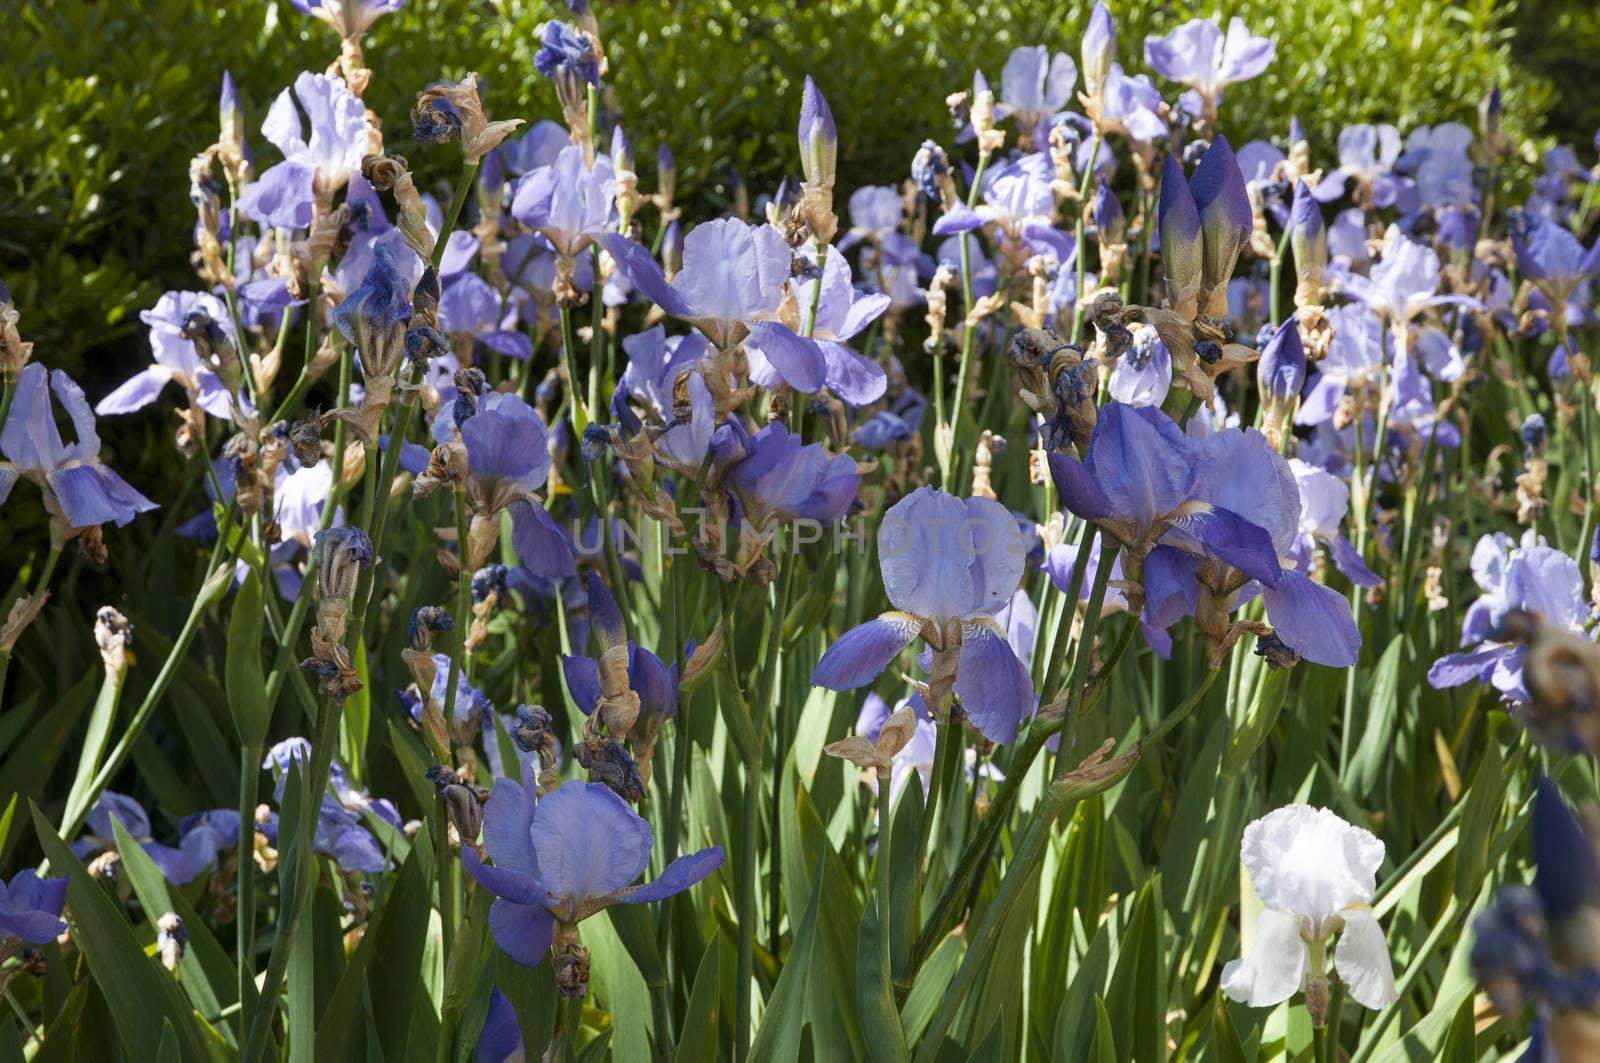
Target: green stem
[(580, 416), (885, 866), (245, 920), (1078, 233), (458, 198), (597, 337)]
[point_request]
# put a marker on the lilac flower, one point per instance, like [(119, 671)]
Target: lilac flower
[(564, 858), (176, 359), (349, 17), (569, 202), (1035, 86), (340, 131), (776, 475), (1324, 501), (1367, 156), (178, 866), (949, 565), (842, 313), (30, 909), (1197, 54), (79, 489), (1528, 576)]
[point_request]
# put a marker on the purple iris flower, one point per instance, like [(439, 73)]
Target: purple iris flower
[(1404, 283), (654, 682), (569, 202), (473, 710), (178, 866), (1143, 375), (1529, 576), (731, 287), (949, 565), (875, 212), (508, 458), (901, 421), (842, 313), (471, 309), (559, 860), (1198, 54), (1132, 105), (30, 908), (1177, 501), (1551, 256), (340, 837), (176, 359), (1353, 358), (282, 197), (501, 1039), (349, 17), (1367, 156), (566, 54), (1437, 157), (1324, 501), (340, 133), (776, 475), (540, 146), (352, 798), (655, 363), (1035, 86), (1018, 199), (1140, 481), (85, 491)]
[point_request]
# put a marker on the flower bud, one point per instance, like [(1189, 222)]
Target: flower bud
[(930, 169), (1280, 374), (1225, 222), (172, 937), (1179, 221), (1110, 224), (666, 177), (819, 138), (114, 635), (672, 249), (1309, 239), (342, 553), (604, 616), (1099, 49)]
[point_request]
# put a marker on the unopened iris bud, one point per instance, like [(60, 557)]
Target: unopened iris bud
[(1489, 110), (172, 938), (605, 617), (1110, 223), (1308, 237), (1181, 251), (114, 635), (462, 801), (666, 177), (1280, 374), (819, 138), (621, 150), (1099, 49), (374, 316), (672, 249), (1225, 222)]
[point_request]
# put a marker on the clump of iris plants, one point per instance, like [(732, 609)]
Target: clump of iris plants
[(1123, 591)]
